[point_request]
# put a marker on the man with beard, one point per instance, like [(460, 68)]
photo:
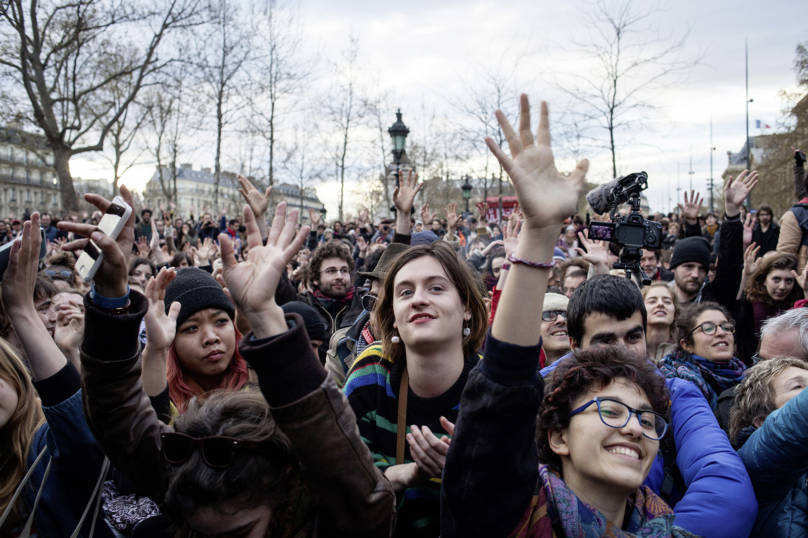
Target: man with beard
[(766, 234), (691, 256), (338, 303)]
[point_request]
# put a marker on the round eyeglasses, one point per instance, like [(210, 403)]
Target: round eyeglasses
[(616, 414), (710, 328), (552, 315)]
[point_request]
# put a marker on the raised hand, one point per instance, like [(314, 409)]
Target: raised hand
[(258, 202), (426, 216), (692, 207), (362, 244), (68, 331), (143, 247), (404, 194), (451, 217), (482, 210), (19, 278), (206, 251), (363, 217), (802, 278), (252, 284), (154, 242), (111, 278), (510, 235), (735, 192), (597, 252), (161, 328), (748, 230), (751, 260), (314, 217), (545, 195), (493, 245)]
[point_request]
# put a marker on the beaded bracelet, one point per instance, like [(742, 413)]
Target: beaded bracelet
[(513, 259)]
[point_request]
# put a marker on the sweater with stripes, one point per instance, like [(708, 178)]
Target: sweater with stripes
[(372, 389)]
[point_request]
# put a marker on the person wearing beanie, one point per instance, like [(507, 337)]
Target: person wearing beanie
[(555, 340), (691, 255), (315, 326), (191, 340)]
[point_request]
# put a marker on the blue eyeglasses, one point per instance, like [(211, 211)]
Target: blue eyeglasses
[(616, 414)]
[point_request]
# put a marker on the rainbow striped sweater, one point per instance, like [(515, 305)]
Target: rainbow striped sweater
[(372, 390)]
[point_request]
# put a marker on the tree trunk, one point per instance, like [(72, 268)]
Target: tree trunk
[(218, 165), (61, 159)]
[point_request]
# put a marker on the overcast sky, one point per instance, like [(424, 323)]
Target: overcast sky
[(424, 50)]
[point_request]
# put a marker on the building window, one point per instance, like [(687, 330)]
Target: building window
[(55, 199), (28, 196), (13, 196)]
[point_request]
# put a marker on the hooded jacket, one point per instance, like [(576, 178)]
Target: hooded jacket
[(777, 462)]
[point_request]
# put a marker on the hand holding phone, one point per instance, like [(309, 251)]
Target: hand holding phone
[(108, 272)]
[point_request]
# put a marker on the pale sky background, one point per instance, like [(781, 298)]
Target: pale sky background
[(423, 49)]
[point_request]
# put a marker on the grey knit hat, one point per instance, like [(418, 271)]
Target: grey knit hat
[(196, 290)]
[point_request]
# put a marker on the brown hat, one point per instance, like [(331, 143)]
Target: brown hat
[(390, 252)]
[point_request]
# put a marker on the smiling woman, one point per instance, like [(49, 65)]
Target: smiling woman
[(432, 320)]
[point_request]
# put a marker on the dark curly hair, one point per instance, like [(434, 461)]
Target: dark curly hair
[(756, 286), (591, 370), (251, 480), (332, 249)]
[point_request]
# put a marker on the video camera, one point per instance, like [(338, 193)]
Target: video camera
[(632, 232)]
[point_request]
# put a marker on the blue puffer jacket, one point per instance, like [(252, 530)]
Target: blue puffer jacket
[(717, 482), (777, 460), (77, 461)]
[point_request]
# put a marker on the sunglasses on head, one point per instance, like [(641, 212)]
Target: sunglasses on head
[(218, 452), (368, 301)]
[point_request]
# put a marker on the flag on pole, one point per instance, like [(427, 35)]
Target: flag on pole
[(760, 125)]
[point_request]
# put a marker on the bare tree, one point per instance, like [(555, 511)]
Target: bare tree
[(343, 109), (223, 52), (61, 54), (380, 113), (279, 74), (301, 164), (629, 58)]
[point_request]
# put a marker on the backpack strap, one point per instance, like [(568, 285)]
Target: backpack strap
[(673, 477), (401, 426)]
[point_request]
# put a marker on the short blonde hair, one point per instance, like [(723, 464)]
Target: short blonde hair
[(754, 397)]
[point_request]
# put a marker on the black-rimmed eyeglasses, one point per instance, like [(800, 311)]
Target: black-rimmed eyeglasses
[(616, 414), (709, 328), (552, 315)]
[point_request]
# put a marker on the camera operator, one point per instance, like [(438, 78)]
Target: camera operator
[(691, 256), (792, 238), (207, 228)]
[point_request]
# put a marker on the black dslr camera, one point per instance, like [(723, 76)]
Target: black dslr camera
[(632, 232)]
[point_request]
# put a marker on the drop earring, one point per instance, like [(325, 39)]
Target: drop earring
[(395, 339), (466, 331)]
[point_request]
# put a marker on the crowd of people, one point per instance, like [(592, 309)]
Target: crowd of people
[(423, 376)]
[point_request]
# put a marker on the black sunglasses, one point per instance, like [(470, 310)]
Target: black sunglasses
[(368, 301), (217, 452)]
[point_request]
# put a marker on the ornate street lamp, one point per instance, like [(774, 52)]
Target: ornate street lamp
[(398, 134), (466, 192)]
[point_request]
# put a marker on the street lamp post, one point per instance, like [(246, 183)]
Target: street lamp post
[(466, 192), (398, 134)]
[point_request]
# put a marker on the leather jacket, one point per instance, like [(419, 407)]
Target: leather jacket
[(352, 497)]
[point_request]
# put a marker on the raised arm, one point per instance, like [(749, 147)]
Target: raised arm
[(258, 202), (492, 466), (403, 198), (161, 328), (19, 281), (305, 403)]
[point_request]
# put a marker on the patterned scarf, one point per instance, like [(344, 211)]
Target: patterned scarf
[(555, 512), (712, 378)]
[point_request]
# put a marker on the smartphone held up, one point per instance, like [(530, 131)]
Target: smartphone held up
[(111, 224)]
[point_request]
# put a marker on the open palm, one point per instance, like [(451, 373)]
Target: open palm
[(161, 327), (545, 195), (252, 284), (735, 192)]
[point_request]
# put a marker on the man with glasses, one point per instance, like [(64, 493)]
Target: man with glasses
[(555, 341), (334, 297)]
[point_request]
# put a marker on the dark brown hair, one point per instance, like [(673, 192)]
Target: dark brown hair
[(591, 370), (465, 282), (251, 480), (135, 262), (755, 289), (332, 249), (688, 319)]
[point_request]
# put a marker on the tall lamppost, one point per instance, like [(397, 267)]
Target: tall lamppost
[(398, 134), (466, 192)]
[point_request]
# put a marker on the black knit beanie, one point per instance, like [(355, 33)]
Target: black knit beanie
[(315, 326), (196, 290), (691, 249)]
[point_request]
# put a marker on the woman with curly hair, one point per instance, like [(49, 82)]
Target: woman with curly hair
[(704, 355), (769, 288)]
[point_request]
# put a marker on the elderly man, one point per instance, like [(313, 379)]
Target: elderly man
[(785, 335)]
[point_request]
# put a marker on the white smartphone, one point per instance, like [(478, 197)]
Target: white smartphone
[(111, 224)]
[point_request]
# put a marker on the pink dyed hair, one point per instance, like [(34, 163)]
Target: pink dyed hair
[(182, 386)]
